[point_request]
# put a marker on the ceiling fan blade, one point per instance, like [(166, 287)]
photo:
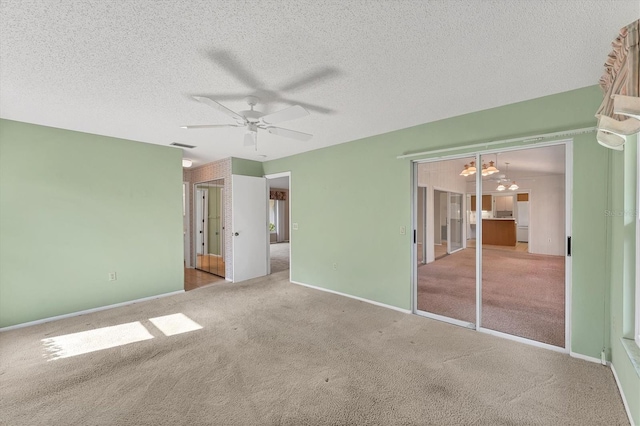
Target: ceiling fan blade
[(230, 63), (310, 107), (289, 133), (310, 79), (290, 113), (209, 126), (250, 139), (223, 109)]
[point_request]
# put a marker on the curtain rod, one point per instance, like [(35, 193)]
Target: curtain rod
[(534, 138)]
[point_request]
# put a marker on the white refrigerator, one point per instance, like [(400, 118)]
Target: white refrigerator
[(522, 219)]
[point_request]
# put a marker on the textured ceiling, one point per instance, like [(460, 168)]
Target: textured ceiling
[(128, 68)]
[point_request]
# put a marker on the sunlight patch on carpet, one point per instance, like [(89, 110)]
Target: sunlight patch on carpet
[(69, 345), (175, 324)]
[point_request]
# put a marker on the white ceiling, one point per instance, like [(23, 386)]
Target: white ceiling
[(279, 183), (128, 68)]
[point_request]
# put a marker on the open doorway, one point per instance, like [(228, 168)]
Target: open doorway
[(279, 229)]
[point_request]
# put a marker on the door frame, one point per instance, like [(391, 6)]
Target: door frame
[(568, 143), (187, 226), (274, 176)]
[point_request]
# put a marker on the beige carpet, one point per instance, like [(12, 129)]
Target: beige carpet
[(274, 353), (522, 293), (279, 257)]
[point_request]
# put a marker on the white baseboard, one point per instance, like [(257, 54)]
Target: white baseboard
[(88, 311), (585, 357), (624, 399), (384, 305)]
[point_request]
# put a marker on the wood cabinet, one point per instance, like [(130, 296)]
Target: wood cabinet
[(486, 203), (499, 232), (523, 197)]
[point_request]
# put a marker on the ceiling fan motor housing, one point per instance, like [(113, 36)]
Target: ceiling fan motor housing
[(251, 115)]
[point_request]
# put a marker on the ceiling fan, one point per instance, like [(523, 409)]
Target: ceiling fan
[(253, 120)]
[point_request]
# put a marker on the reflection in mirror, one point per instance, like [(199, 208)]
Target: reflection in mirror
[(523, 244), (210, 227), (446, 266)]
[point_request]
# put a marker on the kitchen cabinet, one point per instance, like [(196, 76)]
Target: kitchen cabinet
[(486, 203), (499, 232), (504, 203)]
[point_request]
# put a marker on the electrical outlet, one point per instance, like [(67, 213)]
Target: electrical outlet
[(403, 230), (295, 226), (335, 266), (112, 276)]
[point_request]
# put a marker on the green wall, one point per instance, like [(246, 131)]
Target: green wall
[(240, 166), (76, 206), (336, 193), (622, 218)]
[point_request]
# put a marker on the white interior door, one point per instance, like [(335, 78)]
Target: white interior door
[(249, 227)]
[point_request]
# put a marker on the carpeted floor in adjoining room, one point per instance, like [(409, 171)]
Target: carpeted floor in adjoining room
[(522, 293), (279, 253), (273, 353)]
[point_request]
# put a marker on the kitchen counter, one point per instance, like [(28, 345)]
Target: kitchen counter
[(499, 231)]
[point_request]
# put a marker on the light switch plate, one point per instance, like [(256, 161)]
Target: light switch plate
[(403, 230)]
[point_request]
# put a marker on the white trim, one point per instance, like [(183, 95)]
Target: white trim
[(568, 143), (443, 318), (585, 357), (568, 231), (289, 192), (88, 311), (636, 336), (361, 299), (187, 232), (522, 340), (624, 399), (279, 175), (414, 228), (479, 243), (533, 139)]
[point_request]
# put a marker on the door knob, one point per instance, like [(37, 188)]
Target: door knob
[(236, 234)]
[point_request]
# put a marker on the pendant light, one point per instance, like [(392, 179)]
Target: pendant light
[(492, 169), (502, 186), (472, 168), (469, 169)]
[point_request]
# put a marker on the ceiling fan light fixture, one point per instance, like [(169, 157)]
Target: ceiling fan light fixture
[(485, 170), (472, 168), (465, 171), (186, 163), (514, 186), (501, 187), (492, 168)]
